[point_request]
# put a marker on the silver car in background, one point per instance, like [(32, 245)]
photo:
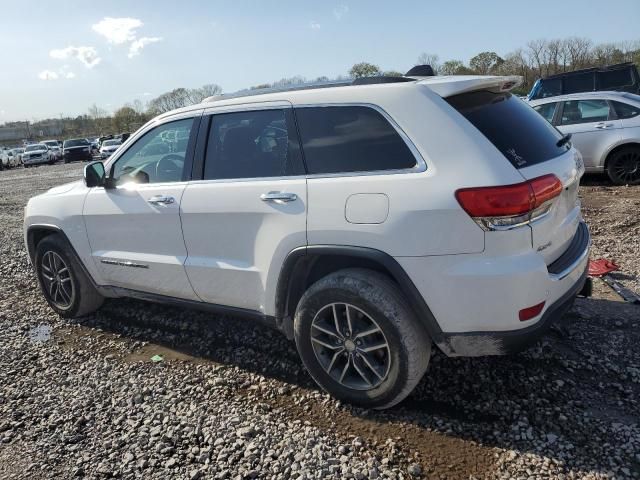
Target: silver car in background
[(604, 127)]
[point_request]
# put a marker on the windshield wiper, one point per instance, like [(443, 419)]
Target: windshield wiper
[(564, 140)]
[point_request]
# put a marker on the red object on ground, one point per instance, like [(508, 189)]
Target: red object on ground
[(601, 266)]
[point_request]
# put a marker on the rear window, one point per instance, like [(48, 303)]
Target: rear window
[(350, 139), (523, 136)]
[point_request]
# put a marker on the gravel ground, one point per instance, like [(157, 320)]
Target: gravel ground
[(231, 399)]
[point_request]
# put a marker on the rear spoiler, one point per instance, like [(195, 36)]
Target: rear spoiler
[(447, 86)]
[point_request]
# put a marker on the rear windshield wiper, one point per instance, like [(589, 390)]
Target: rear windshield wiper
[(564, 140)]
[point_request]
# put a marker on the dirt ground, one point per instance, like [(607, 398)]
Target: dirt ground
[(565, 408)]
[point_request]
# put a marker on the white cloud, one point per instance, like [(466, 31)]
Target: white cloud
[(87, 55), (340, 11), (137, 45), (69, 75), (47, 75), (117, 30), (314, 25)]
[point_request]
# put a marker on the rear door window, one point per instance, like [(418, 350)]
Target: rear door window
[(624, 110), (523, 136), (338, 139), (252, 144), (584, 111)]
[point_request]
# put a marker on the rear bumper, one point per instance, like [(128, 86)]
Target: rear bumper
[(475, 298), (475, 344)]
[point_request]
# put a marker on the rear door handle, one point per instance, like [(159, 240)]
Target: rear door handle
[(604, 125), (161, 200), (278, 197)]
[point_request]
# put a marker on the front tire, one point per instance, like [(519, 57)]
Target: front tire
[(359, 340), (64, 283), (623, 167)]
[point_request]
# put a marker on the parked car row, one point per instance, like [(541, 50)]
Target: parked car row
[(598, 110), (10, 158), (52, 151)]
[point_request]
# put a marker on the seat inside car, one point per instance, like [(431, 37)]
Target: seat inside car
[(571, 113)]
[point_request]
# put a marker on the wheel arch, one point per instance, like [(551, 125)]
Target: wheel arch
[(617, 148), (304, 266), (37, 232)]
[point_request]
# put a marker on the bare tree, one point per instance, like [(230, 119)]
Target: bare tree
[(432, 59), (138, 106), (553, 54), (95, 112), (579, 50), (535, 51)]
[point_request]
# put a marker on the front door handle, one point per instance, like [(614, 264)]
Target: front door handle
[(278, 197), (161, 200)]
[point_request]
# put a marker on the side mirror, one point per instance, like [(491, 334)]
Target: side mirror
[(94, 175)]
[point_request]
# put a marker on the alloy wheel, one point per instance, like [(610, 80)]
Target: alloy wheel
[(350, 346), (627, 168), (57, 280)]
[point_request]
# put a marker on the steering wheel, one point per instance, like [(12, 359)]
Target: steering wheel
[(167, 170)]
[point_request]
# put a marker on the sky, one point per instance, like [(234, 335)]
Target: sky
[(59, 58)]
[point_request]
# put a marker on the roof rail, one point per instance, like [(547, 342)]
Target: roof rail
[(381, 79), (417, 71), (291, 88)]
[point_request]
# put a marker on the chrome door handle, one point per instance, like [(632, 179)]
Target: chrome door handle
[(161, 200), (278, 197), (604, 125)]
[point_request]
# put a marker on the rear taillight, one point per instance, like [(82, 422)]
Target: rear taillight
[(508, 206)]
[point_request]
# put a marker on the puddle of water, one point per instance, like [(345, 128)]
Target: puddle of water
[(40, 334)]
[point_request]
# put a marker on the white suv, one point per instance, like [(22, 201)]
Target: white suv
[(364, 221)]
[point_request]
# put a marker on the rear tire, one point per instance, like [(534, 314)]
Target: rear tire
[(376, 369), (63, 281), (623, 166)]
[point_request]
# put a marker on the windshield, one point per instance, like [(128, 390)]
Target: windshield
[(51, 143), (110, 143), (78, 142), (33, 148)]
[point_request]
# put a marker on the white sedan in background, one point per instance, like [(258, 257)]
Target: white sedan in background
[(8, 159), (604, 127), (54, 149), (108, 147), (36, 154)]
